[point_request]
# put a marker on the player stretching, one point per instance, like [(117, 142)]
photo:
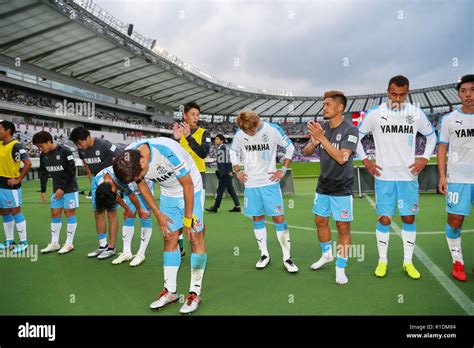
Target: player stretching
[(196, 141), (181, 207), (457, 130), (257, 143), (128, 229), (336, 141), (96, 154), (57, 162), (12, 154), (394, 126), (105, 187)]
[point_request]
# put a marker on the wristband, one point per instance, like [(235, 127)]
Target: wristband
[(188, 222)]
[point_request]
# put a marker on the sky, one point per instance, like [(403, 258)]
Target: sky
[(307, 47)]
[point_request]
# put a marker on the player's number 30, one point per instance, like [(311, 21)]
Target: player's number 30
[(453, 197)]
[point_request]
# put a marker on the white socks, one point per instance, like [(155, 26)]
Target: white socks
[(382, 233), (56, 224), (71, 229), (144, 240), (284, 240), (171, 263), (261, 237), (453, 237), (127, 234), (8, 226), (409, 238)]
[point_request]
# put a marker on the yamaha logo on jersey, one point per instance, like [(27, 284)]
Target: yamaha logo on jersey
[(265, 138), (97, 153), (410, 119)]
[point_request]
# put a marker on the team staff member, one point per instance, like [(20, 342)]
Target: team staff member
[(224, 173)]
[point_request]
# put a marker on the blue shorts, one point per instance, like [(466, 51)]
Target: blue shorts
[(460, 198), (392, 194), (265, 200), (67, 201), (10, 198), (173, 207), (340, 207)]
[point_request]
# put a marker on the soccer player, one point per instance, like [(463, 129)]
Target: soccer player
[(105, 187), (394, 126), (336, 142), (96, 154), (181, 207), (457, 130), (128, 229), (196, 141), (57, 162), (256, 142), (224, 174), (12, 154)]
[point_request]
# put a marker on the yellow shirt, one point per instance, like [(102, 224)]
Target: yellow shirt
[(9, 166), (197, 135)]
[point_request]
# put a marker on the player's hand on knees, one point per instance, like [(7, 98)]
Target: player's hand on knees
[(164, 222), (242, 176), (58, 194), (418, 166), (190, 232), (143, 214), (43, 197), (127, 214), (443, 185)]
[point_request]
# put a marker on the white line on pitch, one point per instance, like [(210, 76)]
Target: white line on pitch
[(447, 283)]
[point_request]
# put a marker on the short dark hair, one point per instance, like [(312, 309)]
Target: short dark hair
[(191, 105), (399, 81), (79, 133), (8, 125), (127, 165), (221, 137), (42, 137), (464, 79), (337, 96), (105, 198)]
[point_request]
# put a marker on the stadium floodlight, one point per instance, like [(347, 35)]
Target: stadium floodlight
[(241, 87)]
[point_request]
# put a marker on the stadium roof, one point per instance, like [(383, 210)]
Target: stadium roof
[(79, 39)]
